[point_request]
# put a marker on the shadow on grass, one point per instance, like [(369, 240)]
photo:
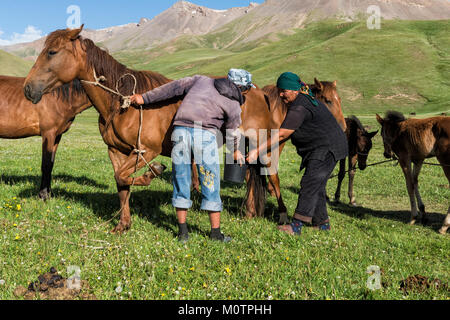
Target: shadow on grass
[(432, 221), (36, 180), (147, 204)]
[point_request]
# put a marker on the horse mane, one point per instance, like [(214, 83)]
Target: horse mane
[(357, 122), (106, 65), (394, 116), (69, 90), (274, 98)]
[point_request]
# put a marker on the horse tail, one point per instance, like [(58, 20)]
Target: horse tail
[(256, 191)]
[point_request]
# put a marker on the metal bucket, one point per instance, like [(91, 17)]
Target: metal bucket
[(235, 173)]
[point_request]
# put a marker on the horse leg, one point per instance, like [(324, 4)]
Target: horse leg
[(250, 206), (124, 167), (50, 144), (406, 167), (445, 161), (446, 224), (341, 176), (351, 178), (195, 179), (274, 181), (416, 172)]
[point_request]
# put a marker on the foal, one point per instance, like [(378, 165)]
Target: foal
[(412, 141), (359, 146)]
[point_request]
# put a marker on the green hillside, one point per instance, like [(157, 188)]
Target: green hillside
[(11, 65), (405, 65)]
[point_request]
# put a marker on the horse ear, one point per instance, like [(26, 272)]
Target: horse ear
[(380, 119), (318, 84), (74, 33), (335, 84), (373, 134)]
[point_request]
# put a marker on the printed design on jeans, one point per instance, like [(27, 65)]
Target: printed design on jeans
[(208, 180)]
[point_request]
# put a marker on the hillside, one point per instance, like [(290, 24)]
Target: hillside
[(237, 27), (11, 65), (404, 66)]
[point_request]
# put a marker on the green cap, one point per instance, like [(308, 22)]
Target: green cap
[(289, 81)]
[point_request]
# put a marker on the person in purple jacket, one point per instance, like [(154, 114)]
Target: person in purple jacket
[(208, 106)]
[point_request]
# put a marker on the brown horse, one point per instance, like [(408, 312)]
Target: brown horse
[(324, 91), (412, 141), (53, 116), (66, 57), (359, 146)]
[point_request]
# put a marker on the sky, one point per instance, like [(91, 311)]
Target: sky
[(28, 20)]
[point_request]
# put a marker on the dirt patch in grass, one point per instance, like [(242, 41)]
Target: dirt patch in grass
[(52, 286), (420, 283)]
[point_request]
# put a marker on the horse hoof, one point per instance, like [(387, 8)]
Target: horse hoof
[(44, 195), (283, 218), (443, 230), (354, 204), (158, 168), (412, 222), (120, 229)]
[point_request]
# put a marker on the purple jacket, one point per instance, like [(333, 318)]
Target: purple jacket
[(202, 105)]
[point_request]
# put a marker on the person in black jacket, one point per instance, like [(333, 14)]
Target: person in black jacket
[(320, 142)]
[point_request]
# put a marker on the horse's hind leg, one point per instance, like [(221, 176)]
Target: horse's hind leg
[(50, 144), (351, 179), (445, 161), (274, 181), (446, 223), (406, 167), (341, 176), (416, 172)]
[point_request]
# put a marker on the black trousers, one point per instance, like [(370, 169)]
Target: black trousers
[(312, 198)]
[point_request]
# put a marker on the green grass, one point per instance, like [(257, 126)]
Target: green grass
[(11, 65), (404, 66), (261, 263)]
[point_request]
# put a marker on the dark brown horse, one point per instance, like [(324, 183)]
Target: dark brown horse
[(324, 91), (412, 141), (66, 57), (51, 118), (359, 146)]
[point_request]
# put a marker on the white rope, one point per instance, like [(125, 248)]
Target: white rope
[(98, 82), (125, 105)]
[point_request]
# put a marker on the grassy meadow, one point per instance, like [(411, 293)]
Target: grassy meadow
[(403, 66), (261, 263)]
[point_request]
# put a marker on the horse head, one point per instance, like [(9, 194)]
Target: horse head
[(326, 92), (389, 130), (57, 64)]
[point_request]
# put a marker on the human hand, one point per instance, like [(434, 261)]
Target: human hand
[(137, 99), (239, 157), (252, 156)]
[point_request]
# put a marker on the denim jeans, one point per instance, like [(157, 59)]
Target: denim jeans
[(202, 145)]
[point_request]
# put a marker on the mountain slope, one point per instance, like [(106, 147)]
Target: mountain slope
[(11, 65), (183, 18), (404, 66), (237, 27), (275, 16)]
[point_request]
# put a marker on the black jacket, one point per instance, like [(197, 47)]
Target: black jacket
[(319, 134)]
